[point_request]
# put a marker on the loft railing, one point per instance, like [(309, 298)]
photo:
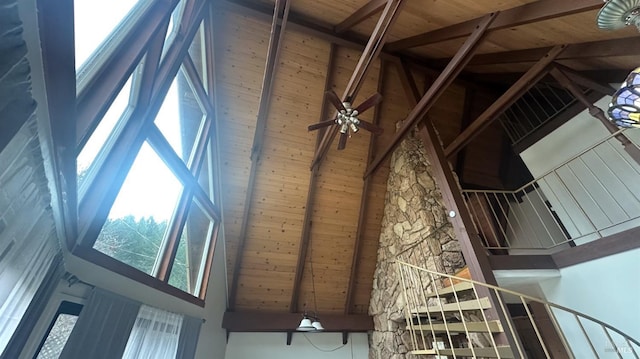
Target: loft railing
[(535, 108), (445, 317), (593, 194)]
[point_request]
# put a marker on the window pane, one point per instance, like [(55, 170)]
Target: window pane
[(94, 22), (137, 221), (172, 30), (180, 117), (198, 54), (186, 273), (207, 171), (57, 337), (103, 131)]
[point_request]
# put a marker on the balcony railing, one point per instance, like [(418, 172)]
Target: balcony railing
[(593, 194), (445, 317)]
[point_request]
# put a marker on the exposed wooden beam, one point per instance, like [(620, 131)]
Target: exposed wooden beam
[(364, 201), (603, 247), (596, 112), (521, 15), (409, 83), (522, 262), (604, 48), (296, 22), (529, 79), (278, 24), (311, 193), (446, 77), (370, 53), (465, 121), (286, 322), (363, 13), (474, 253), (585, 81)]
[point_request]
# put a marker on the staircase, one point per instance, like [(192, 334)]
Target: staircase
[(461, 321)]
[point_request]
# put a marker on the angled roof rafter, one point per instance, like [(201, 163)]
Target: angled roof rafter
[(521, 15), (530, 78), (370, 53), (604, 48), (311, 193), (360, 15), (458, 62), (364, 201), (278, 24)]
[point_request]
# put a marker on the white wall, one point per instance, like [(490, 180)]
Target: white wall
[(273, 346), (609, 174), (608, 289)]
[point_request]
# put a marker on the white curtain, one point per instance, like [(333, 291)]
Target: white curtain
[(28, 243), (155, 335)]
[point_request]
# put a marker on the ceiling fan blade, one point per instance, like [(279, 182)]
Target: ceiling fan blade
[(335, 100), (342, 143), (320, 125), (370, 127), (368, 103)]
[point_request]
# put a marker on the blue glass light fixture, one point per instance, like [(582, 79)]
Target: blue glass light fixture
[(624, 109)]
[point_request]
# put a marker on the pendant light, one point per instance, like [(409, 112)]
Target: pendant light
[(311, 323)]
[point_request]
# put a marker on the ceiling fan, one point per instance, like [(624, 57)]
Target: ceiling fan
[(347, 117)]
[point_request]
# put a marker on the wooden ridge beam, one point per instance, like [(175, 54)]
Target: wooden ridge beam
[(370, 53), (520, 15), (286, 322), (446, 77), (521, 86), (273, 52), (360, 15), (604, 48), (311, 193), (364, 201)]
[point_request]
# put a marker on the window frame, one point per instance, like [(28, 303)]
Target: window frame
[(65, 307), (140, 42)]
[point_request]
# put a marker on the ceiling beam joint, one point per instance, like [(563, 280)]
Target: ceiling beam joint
[(370, 53), (528, 80), (521, 15), (366, 11), (446, 77)]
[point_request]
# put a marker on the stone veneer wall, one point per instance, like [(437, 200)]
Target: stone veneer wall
[(415, 229)]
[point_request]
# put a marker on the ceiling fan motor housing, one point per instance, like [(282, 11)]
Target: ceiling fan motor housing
[(348, 119)]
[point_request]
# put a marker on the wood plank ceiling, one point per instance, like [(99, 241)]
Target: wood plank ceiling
[(273, 204)]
